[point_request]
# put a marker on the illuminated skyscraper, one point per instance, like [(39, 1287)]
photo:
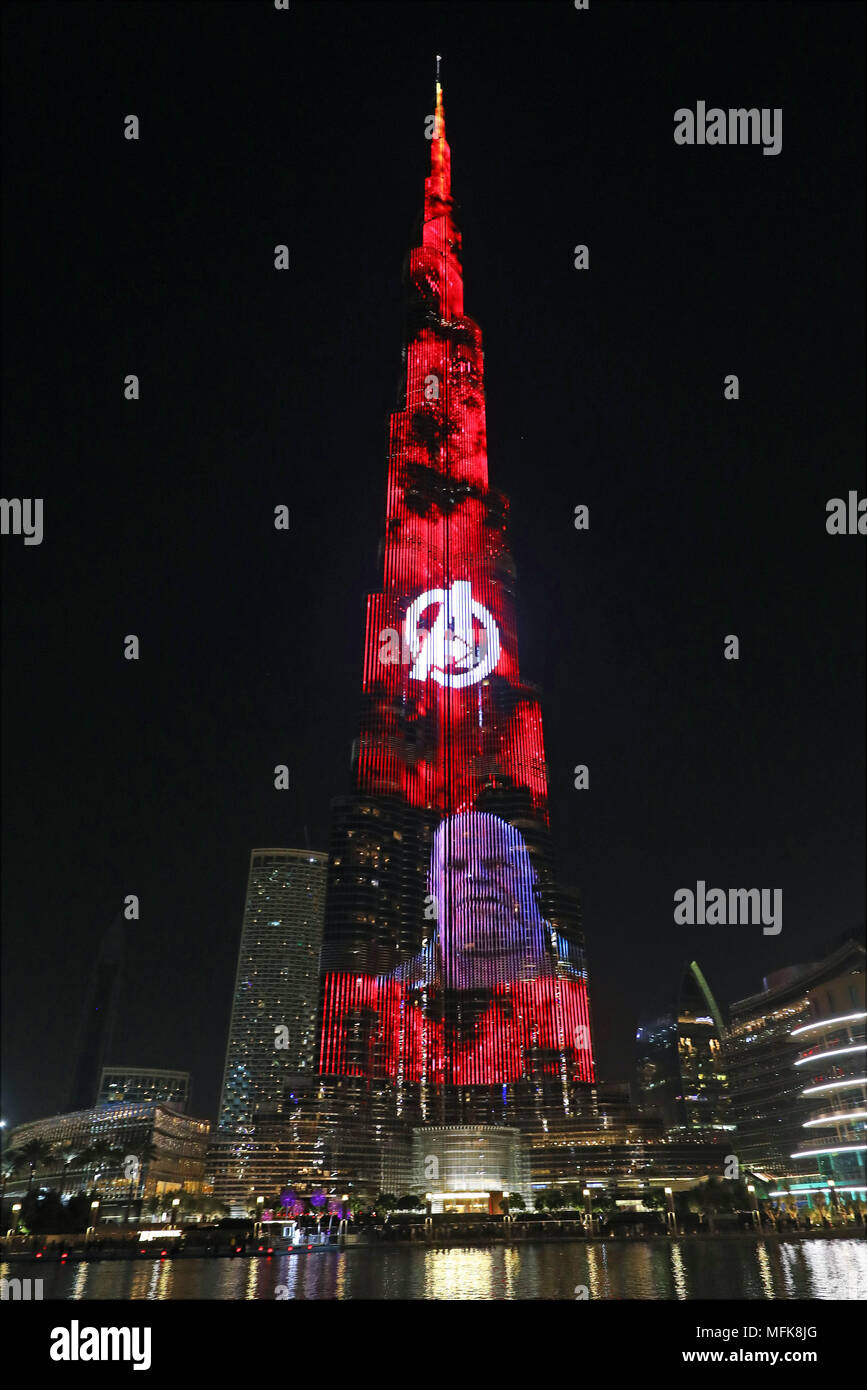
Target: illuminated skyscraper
[(680, 1063), (453, 990), (271, 1046)]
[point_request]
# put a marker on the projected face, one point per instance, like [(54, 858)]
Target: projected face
[(489, 926)]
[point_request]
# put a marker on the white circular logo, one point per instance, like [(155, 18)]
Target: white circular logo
[(450, 651)]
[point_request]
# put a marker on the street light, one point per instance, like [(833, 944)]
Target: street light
[(752, 1191), (13, 1230), (588, 1202), (94, 1208), (670, 1214)]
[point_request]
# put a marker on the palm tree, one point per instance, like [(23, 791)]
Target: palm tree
[(654, 1200), (205, 1204), (100, 1155), (35, 1154), (68, 1155), (549, 1199), (199, 1204), (386, 1201), (154, 1205), (13, 1162)]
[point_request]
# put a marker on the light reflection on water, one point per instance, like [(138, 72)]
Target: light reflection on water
[(680, 1269), (678, 1272), (766, 1272)]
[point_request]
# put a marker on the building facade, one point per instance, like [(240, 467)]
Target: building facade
[(831, 1063), (122, 1153), (272, 1040), (133, 1084), (765, 1050), (680, 1062), (471, 1170), (454, 987)]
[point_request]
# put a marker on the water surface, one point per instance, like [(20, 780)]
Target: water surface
[(681, 1269)]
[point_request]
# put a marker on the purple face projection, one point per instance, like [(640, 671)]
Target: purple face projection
[(490, 930), (482, 1003)]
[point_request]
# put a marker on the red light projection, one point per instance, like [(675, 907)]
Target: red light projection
[(534, 1029), (438, 740), (378, 1030), (486, 987)]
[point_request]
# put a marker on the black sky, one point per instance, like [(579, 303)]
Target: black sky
[(707, 517)]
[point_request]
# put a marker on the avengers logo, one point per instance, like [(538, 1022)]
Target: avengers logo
[(461, 647)]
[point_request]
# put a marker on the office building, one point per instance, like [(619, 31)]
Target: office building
[(134, 1084), (272, 1040)]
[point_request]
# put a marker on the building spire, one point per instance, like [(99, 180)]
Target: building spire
[(438, 186), (441, 241)]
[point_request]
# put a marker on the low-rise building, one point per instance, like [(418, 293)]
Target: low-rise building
[(121, 1153)]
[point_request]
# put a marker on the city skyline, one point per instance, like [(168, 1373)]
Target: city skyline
[(172, 778)]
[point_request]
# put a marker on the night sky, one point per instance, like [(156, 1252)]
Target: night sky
[(604, 387)]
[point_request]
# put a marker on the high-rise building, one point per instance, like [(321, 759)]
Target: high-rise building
[(454, 988), (771, 1061), (143, 1084), (272, 1038), (680, 1063), (98, 1024)]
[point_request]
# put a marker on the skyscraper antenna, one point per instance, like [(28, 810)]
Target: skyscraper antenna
[(439, 60)]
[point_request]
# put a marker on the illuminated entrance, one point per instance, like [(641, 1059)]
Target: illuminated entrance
[(470, 1170), (468, 1203)]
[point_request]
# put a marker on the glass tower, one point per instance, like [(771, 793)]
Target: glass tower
[(271, 1048)]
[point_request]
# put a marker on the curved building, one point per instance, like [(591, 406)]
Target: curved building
[(777, 1055), (831, 1066)]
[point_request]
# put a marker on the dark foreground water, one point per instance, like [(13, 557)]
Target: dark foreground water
[(682, 1269)]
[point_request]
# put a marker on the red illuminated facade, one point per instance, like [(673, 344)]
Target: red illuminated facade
[(409, 1045), (453, 987), (438, 742)]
